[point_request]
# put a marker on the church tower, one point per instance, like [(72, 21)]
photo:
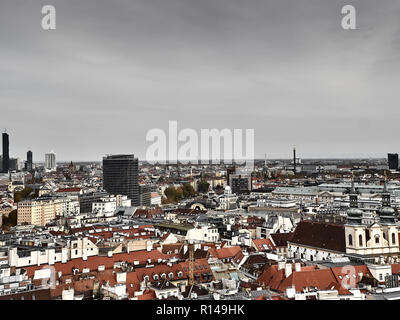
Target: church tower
[(377, 239), (387, 221), (387, 215), (354, 214), (354, 228)]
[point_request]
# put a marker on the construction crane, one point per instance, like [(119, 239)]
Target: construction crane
[(191, 263)]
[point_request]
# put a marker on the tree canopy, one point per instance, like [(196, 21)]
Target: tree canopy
[(203, 186)]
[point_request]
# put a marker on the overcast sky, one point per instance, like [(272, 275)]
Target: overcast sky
[(112, 70)]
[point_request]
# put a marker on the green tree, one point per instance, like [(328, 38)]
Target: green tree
[(188, 191), (203, 186), (178, 194), (170, 193), (11, 220), (22, 195)]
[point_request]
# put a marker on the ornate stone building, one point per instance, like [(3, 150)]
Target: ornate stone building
[(380, 238)]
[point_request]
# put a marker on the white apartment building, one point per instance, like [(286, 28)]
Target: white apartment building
[(50, 161), (105, 205), (36, 256), (155, 199), (70, 206), (122, 201), (274, 224), (203, 234)]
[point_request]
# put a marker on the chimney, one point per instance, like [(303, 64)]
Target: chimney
[(288, 269), (297, 266)]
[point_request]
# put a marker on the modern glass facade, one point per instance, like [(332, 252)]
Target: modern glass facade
[(120, 176), (6, 154)]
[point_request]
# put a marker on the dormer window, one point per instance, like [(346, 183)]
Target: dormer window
[(170, 275), (155, 277)]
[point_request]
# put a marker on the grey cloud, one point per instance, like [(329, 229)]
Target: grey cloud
[(115, 69)]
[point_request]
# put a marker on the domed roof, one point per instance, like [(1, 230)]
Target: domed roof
[(227, 188), (354, 212), (387, 211)]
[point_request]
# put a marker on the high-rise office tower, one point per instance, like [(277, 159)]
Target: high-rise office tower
[(229, 172), (145, 195), (29, 161), (240, 183), (14, 164), (393, 161), (6, 154), (50, 161), (120, 176)]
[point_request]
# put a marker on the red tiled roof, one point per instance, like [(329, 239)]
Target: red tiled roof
[(148, 294), (281, 239), (320, 235), (396, 268), (172, 247), (69, 190), (310, 276), (165, 236), (229, 252), (92, 263), (306, 279), (201, 266), (264, 245)]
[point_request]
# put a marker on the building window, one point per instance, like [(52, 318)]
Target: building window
[(377, 239), (350, 240), (393, 238), (360, 240)]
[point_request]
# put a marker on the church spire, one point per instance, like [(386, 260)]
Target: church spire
[(387, 215), (385, 194), (354, 214), (353, 195)]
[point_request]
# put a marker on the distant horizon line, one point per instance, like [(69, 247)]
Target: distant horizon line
[(222, 160)]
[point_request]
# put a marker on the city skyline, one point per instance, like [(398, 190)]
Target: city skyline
[(199, 155), (205, 65), (41, 158)]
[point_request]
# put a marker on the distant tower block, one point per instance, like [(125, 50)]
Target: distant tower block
[(294, 159), (393, 161), (6, 152)]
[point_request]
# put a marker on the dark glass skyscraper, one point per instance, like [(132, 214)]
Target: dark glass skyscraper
[(393, 161), (120, 176), (29, 161), (6, 154)]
